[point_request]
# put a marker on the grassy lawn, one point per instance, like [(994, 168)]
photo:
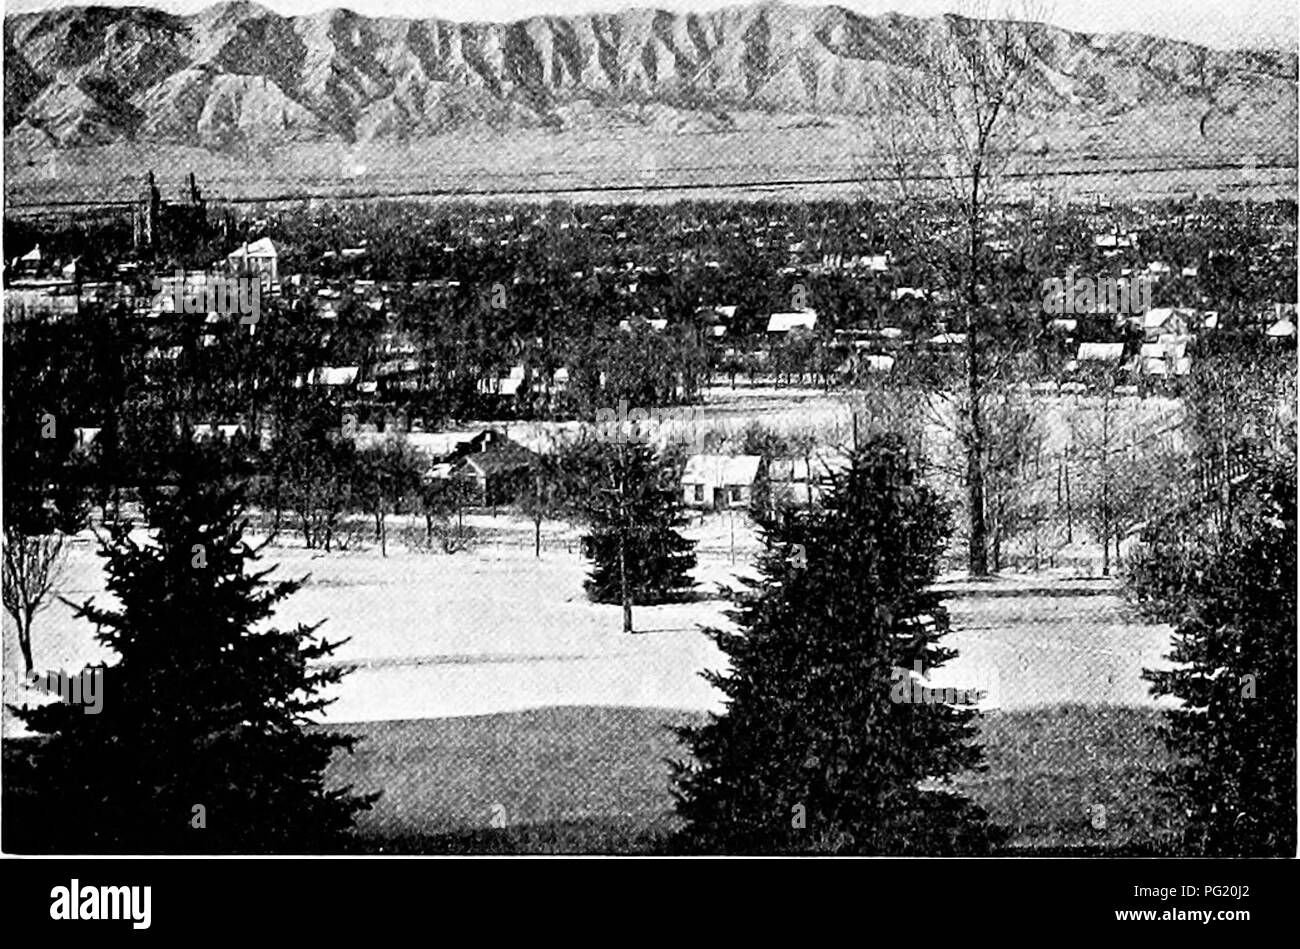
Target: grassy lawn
[(1049, 768), (577, 779), (594, 780)]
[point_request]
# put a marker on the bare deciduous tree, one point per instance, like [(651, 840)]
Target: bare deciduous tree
[(950, 131), (32, 566)]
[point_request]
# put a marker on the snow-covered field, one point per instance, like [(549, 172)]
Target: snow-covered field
[(724, 414), (497, 630)]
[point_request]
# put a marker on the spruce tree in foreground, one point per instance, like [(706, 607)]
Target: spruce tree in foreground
[(636, 518), (1232, 601), (820, 748), (199, 744)]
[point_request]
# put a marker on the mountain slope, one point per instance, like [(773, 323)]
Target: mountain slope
[(238, 73)]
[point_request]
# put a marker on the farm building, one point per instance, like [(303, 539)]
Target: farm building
[(717, 482), (494, 466)]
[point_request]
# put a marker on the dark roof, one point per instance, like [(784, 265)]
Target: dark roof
[(488, 440), (500, 458)]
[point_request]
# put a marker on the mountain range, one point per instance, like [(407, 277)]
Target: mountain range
[(237, 73)]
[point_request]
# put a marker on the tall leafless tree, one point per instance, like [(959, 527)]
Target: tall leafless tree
[(951, 129)]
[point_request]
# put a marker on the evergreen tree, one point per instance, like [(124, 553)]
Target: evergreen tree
[(200, 743), (823, 746), (1231, 595), (636, 517)]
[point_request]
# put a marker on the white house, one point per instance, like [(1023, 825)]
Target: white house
[(1282, 329), (785, 322), (947, 339), (717, 482), (1114, 241), (875, 362), (1101, 352), (507, 385), (903, 293), (1162, 321), (260, 258), (333, 376)]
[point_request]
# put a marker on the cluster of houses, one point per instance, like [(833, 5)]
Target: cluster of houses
[(495, 468), (41, 286), (1166, 336), (1158, 343)]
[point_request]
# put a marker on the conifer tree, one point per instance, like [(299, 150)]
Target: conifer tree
[(201, 742), (636, 518), (1231, 595), (822, 747)]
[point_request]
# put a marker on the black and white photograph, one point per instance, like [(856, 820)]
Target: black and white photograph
[(702, 429)]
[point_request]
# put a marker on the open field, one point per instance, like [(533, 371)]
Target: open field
[(802, 160), (496, 630), (724, 413)]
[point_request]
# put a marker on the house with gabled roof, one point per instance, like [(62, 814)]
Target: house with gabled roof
[(494, 466), (720, 482), (261, 258)]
